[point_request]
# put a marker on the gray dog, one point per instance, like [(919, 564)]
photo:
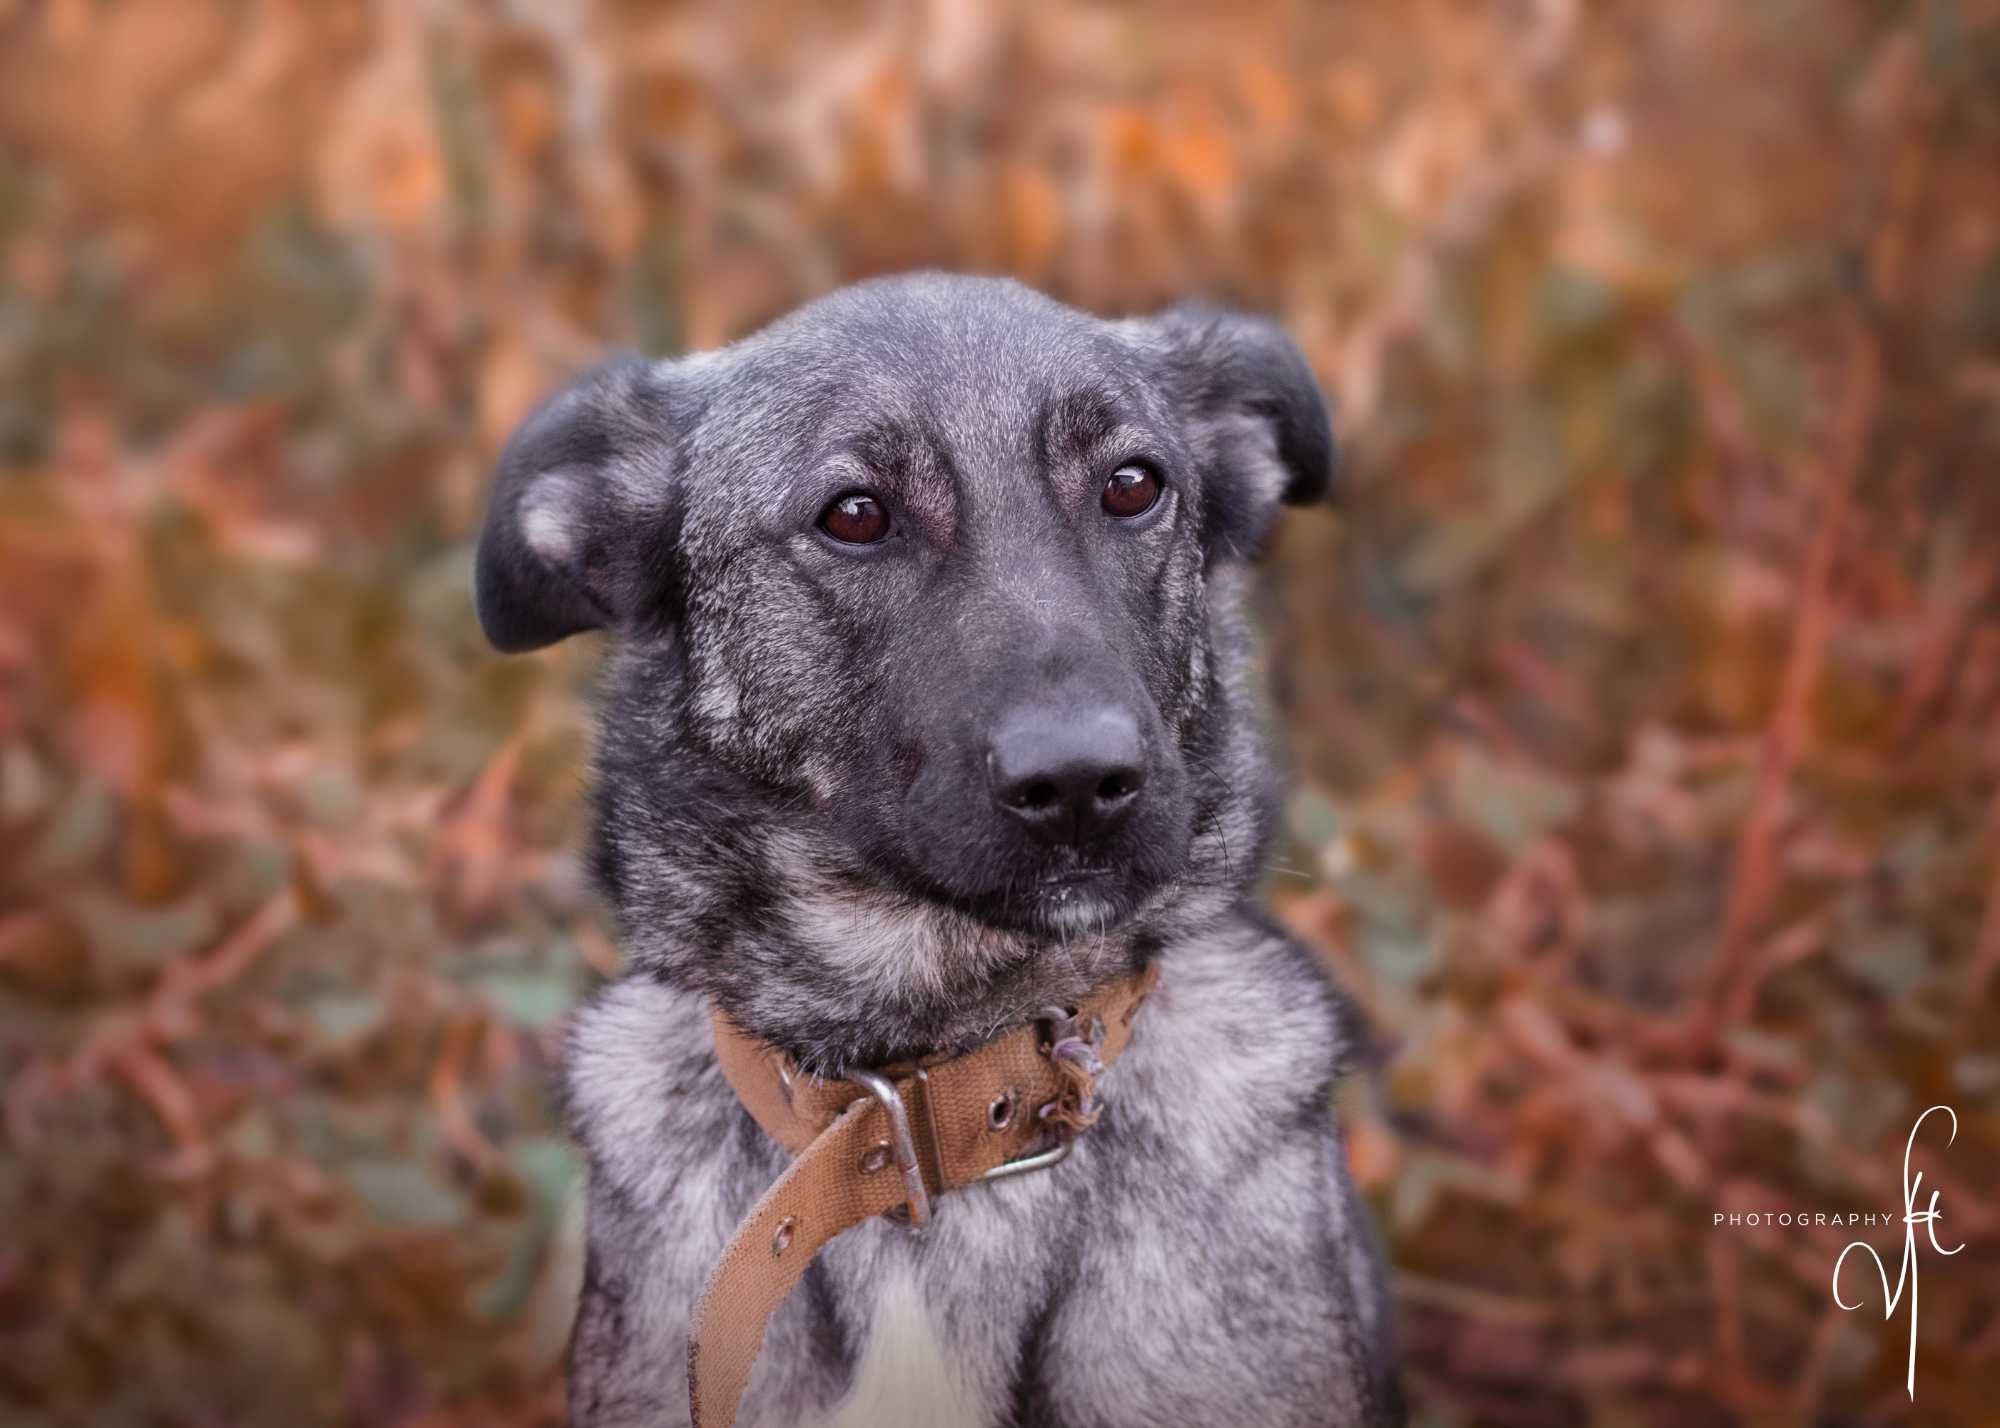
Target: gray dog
[(931, 703)]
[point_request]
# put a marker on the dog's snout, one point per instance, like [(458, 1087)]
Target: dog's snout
[(1070, 775)]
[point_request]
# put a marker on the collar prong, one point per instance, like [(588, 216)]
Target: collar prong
[(902, 1144)]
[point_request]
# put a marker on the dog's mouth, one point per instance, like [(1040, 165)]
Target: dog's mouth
[(1075, 904), (1075, 878), (1067, 903)]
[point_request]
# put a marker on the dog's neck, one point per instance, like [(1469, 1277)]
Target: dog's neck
[(841, 974), (884, 978)]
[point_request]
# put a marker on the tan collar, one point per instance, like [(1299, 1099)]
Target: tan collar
[(888, 1143)]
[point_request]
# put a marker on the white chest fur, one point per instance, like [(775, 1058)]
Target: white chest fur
[(906, 1377)]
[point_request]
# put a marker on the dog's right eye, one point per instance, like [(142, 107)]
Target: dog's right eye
[(855, 518)]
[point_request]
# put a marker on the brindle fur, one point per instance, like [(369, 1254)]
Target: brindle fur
[(791, 824)]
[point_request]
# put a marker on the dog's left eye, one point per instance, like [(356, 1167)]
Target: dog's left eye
[(1130, 491), (855, 518)]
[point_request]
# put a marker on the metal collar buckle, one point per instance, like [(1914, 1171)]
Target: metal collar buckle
[(1056, 1023), (1040, 1160), (902, 1145)]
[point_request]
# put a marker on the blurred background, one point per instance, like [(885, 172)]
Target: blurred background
[(1644, 694)]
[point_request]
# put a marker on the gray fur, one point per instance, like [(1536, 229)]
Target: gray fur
[(791, 824)]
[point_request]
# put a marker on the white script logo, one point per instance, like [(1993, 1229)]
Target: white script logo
[(1912, 1217)]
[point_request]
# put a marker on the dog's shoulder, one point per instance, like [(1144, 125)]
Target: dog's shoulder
[(639, 1084), (1243, 1030)]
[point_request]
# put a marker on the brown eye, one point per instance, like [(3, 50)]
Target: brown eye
[(856, 518), (1130, 492)]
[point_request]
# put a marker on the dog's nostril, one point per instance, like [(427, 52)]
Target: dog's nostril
[(1038, 795), (1070, 775)]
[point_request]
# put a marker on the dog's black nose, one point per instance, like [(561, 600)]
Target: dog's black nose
[(1070, 775)]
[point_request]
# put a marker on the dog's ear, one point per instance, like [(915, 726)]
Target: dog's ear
[(577, 535), (1257, 419)]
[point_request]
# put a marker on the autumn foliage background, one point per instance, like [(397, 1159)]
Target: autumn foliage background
[(1645, 692)]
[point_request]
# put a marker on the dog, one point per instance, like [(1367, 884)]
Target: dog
[(931, 700)]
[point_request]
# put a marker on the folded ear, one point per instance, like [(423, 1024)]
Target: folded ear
[(1257, 419), (583, 490)]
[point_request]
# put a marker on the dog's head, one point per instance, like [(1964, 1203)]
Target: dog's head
[(924, 629)]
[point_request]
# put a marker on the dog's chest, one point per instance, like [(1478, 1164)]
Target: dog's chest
[(906, 1376), (934, 1326)]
